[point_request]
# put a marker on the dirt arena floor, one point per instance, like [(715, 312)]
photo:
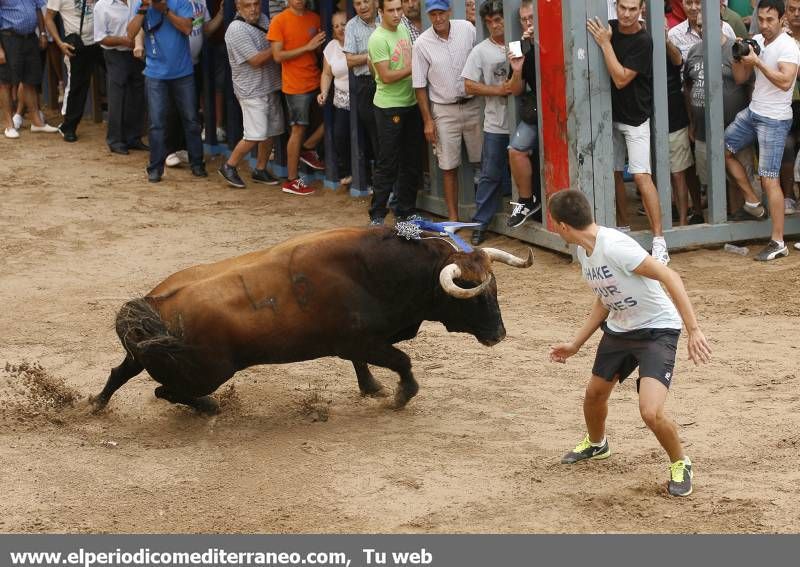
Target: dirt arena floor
[(296, 448)]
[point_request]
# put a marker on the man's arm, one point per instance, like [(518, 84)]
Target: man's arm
[(783, 77), (674, 54), (427, 118), (214, 23), (182, 24), (516, 85), (42, 28), (261, 58), (389, 76), (137, 21), (49, 21), (355, 59), (561, 352), (621, 76), (699, 350), (280, 55), (475, 88)]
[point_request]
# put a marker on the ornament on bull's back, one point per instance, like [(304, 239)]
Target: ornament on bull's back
[(412, 230)]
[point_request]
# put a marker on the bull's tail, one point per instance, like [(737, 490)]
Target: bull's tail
[(164, 354)]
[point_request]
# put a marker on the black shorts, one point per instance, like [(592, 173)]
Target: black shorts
[(652, 350), (23, 60)]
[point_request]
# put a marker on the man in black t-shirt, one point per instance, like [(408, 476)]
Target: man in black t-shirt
[(525, 141), (628, 53)]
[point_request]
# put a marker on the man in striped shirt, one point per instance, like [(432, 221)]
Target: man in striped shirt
[(448, 114)]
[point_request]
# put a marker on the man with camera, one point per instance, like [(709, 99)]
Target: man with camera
[(768, 118), (81, 54), (169, 78)]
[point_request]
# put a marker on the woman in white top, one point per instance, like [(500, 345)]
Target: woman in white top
[(334, 70)]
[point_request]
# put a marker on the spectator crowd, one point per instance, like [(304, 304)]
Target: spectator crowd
[(413, 88)]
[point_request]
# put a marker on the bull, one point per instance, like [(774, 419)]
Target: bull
[(350, 292)]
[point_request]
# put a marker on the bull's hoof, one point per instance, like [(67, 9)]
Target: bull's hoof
[(375, 391), (97, 404), (403, 395), (206, 405)]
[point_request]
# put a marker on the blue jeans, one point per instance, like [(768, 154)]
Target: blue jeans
[(495, 177), (749, 127), (181, 92)]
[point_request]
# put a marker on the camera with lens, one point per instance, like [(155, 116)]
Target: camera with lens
[(741, 47)]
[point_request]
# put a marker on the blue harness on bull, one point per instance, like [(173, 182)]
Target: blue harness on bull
[(422, 229)]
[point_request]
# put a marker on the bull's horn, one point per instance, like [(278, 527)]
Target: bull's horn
[(506, 258), (451, 272)]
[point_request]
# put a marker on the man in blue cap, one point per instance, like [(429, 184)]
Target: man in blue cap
[(448, 114)]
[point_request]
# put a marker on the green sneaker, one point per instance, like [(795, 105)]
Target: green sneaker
[(680, 477), (585, 450)]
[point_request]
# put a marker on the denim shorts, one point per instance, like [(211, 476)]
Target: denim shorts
[(524, 138), (299, 108), (749, 127)]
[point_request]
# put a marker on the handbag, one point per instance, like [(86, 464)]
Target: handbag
[(76, 39)]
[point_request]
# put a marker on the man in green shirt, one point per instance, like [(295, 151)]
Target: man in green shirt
[(733, 19), (397, 116)]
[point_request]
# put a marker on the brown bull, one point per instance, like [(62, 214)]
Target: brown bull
[(351, 293)]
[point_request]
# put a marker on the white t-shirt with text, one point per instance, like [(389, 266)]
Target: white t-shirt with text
[(768, 100), (634, 302)]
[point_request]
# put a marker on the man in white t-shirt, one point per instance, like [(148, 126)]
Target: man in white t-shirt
[(78, 19), (767, 119), (641, 327)]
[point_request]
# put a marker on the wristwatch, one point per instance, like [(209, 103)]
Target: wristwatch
[(166, 11), (141, 11)]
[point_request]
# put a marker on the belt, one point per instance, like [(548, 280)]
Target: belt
[(366, 77), (12, 32), (462, 100)]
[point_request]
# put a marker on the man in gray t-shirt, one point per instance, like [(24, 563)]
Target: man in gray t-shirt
[(735, 97), (256, 82), (486, 73)]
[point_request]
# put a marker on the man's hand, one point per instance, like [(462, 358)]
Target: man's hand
[(516, 63), (429, 130), (138, 52), (600, 33), (42, 41), (146, 4), (504, 89), (699, 351), (2, 57), (321, 99), (527, 35), (160, 6), (316, 41), (405, 51), (751, 58), (66, 49), (561, 352)]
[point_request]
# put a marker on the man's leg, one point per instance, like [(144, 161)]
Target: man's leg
[(681, 196), (5, 102), (741, 133), (644, 183), (80, 74), (494, 164), (772, 187), (450, 185), (296, 135), (595, 406), (264, 149), (116, 77), (134, 111), (184, 95), (389, 136), (341, 137), (158, 104), (637, 142), (409, 174), (242, 149), (652, 395)]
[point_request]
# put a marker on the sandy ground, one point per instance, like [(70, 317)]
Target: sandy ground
[(296, 448)]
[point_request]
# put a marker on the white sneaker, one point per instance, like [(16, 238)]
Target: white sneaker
[(797, 245), (626, 228), (172, 160), (221, 135), (346, 180), (659, 251), (46, 128), (11, 133), (789, 206), (17, 120), (183, 155)]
